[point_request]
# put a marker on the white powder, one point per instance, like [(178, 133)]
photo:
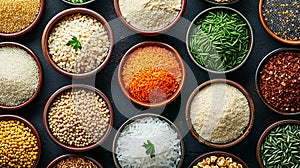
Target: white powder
[(19, 76), (219, 113), (150, 15)]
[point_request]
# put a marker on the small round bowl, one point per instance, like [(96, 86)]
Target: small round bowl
[(222, 3), (78, 4), (219, 154), (56, 19), (146, 32), (71, 147), (269, 31), (127, 56), (29, 27), (257, 78), (141, 116), (266, 132), (31, 127), (54, 162), (246, 130), (40, 69), (203, 13)]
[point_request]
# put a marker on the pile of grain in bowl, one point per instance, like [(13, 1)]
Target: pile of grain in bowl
[(17, 15), (151, 74), (149, 15), (76, 162), (79, 43), (148, 142), (19, 76), (18, 145), (217, 161), (219, 113), (78, 117)]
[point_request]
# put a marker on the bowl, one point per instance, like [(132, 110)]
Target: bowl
[(33, 131), (269, 30), (222, 3), (149, 32), (58, 110), (79, 62), (40, 71), (27, 28), (218, 154), (159, 122), (54, 162), (167, 49), (236, 137), (263, 138), (277, 85), (216, 56), (78, 4)]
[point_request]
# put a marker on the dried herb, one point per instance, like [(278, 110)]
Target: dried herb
[(75, 43), (150, 150)]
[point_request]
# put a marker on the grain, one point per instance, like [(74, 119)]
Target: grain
[(75, 162), (16, 15), (19, 76), (217, 161), (78, 117), (219, 113)]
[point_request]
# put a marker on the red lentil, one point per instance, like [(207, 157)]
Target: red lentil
[(280, 81)]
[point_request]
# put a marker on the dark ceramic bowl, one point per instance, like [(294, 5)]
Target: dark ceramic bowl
[(54, 162), (222, 3), (246, 130), (72, 147), (40, 69)]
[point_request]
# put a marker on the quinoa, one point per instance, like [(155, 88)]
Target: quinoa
[(78, 117), (16, 15), (92, 36), (19, 76)]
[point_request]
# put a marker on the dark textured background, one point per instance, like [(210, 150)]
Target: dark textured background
[(106, 81)]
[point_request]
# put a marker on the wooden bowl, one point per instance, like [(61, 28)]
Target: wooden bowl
[(266, 132), (222, 3), (54, 162), (141, 116), (78, 4), (56, 19), (127, 56), (40, 69), (29, 27), (146, 32), (31, 127), (218, 154), (246, 130), (257, 78), (269, 31), (71, 147), (202, 14)]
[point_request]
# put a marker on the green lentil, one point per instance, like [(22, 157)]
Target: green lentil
[(220, 40), (281, 147), (78, 1)]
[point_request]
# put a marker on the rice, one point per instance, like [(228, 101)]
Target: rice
[(129, 145)]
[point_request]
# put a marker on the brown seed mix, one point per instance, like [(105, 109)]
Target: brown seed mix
[(77, 162), (78, 117), (280, 82)]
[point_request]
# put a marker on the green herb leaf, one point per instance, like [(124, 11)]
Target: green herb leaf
[(149, 148), (75, 43)]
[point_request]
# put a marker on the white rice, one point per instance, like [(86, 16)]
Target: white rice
[(129, 145)]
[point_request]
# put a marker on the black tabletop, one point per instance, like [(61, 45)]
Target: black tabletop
[(106, 81)]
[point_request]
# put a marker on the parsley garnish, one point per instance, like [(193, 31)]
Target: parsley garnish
[(75, 43), (149, 148)]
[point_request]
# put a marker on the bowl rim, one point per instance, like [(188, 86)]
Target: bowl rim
[(57, 18), (222, 3), (78, 4), (140, 116), (40, 70), (31, 127), (67, 146), (65, 156), (127, 55), (29, 27), (251, 40), (257, 76), (266, 132), (219, 153), (269, 31), (147, 32), (247, 129)]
